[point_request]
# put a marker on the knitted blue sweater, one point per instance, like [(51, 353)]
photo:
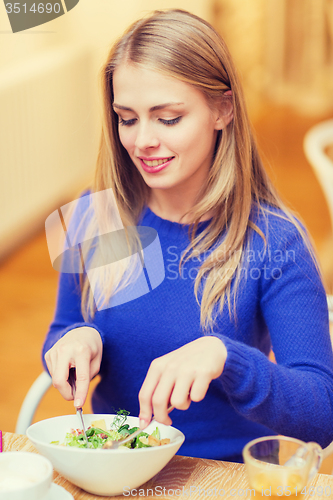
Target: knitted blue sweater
[(281, 303)]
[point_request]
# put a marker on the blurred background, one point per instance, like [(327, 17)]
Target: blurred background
[(50, 125)]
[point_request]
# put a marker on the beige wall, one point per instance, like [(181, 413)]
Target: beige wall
[(50, 106), (283, 50), (102, 24), (96, 22), (93, 24)]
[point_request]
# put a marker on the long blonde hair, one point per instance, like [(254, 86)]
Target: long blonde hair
[(180, 44)]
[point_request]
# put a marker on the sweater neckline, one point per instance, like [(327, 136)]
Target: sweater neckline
[(168, 227)]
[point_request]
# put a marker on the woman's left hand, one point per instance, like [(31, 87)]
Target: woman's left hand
[(180, 377)]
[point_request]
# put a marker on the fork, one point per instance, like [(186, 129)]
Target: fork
[(72, 383), (113, 445)]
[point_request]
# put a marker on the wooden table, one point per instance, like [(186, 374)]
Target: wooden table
[(185, 478)]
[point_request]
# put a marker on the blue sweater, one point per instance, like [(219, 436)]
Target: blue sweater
[(281, 303)]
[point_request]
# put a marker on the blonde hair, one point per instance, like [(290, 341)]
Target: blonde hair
[(180, 44)]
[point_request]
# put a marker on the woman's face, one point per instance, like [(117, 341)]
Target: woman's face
[(166, 126)]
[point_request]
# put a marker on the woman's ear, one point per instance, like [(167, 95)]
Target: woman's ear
[(225, 110)]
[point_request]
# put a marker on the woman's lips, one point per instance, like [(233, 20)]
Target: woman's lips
[(154, 165)]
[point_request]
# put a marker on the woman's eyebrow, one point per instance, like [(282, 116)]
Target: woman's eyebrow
[(154, 108)]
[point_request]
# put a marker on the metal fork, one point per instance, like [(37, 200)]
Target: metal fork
[(72, 383), (113, 445)]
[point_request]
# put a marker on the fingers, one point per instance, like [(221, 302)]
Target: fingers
[(164, 385), (80, 348), (82, 379), (181, 395), (58, 367), (200, 388), (161, 399), (146, 392), (180, 377)]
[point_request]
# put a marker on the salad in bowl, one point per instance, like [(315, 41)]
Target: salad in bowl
[(99, 470), (99, 436)]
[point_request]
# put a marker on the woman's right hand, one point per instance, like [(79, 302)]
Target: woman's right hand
[(81, 347)]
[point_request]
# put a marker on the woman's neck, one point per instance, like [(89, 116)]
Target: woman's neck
[(175, 208)]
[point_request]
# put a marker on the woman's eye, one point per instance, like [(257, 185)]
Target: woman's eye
[(126, 122), (170, 122), (131, 121)]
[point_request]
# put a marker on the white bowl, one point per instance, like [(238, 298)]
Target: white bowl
[(103, 472), (24, 476)]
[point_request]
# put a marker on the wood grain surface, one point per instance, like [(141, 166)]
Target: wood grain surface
[(185, 478)]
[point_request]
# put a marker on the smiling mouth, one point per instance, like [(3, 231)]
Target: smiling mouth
[(156, 163)]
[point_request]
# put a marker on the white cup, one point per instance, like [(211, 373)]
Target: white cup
[(24, 476)]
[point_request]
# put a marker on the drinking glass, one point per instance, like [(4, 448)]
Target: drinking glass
[(279, 466)]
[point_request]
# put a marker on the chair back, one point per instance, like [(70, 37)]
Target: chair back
[(31, 402), (317, 139)]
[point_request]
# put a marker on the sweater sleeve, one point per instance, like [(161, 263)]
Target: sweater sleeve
[(293, 396), (68, 314)]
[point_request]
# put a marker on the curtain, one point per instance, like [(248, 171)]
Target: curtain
[(283, 48)]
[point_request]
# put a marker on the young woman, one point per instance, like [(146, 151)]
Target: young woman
[(178, 154)]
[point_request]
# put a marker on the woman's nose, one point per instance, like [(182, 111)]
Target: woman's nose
[(146, 137)]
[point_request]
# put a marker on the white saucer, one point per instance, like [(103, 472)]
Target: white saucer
[(57, 492)]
